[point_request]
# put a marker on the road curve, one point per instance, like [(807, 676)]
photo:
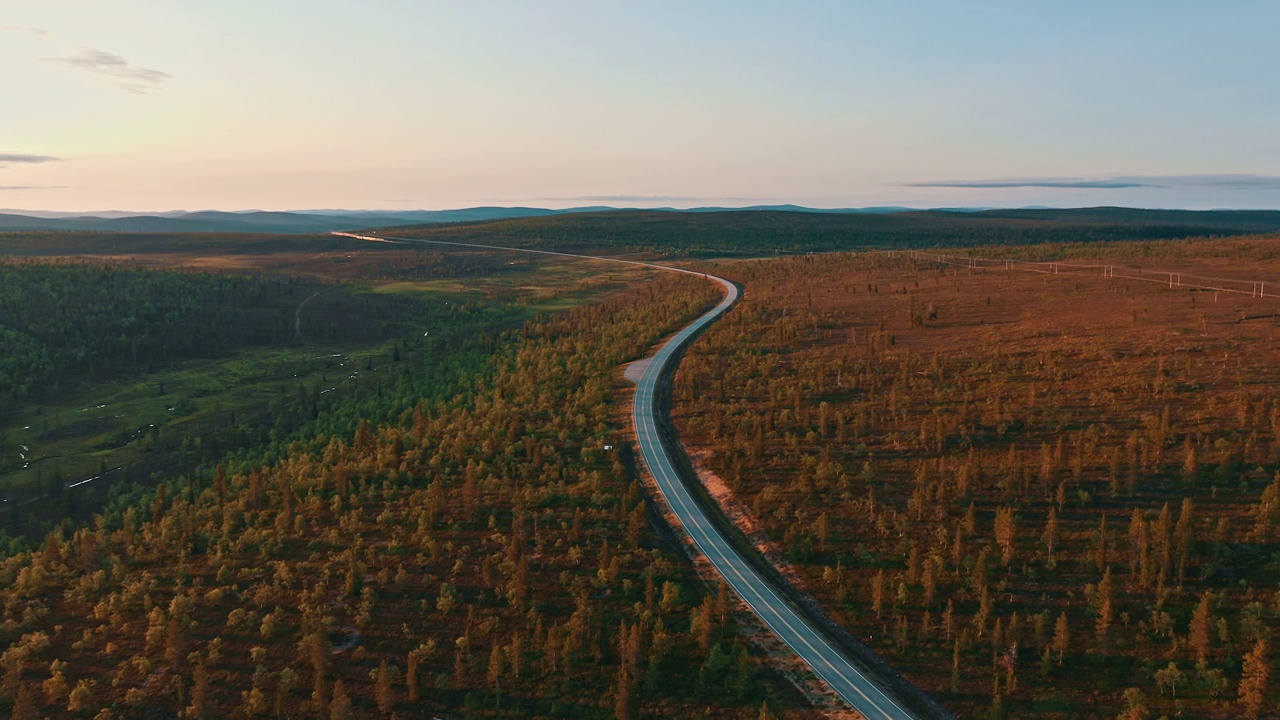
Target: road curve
[(848, 682), (855, 688)]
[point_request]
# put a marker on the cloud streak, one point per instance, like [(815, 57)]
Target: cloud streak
[(1091, 184), (33, 187), (17, 28), (124, 76), (7, 159), (647, 198), (1238, 181)]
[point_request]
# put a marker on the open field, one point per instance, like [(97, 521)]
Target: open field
[(1030, 492)]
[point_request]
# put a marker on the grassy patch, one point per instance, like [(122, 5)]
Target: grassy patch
[(139, 422)]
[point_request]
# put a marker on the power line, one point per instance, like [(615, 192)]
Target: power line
[(1172, 279)]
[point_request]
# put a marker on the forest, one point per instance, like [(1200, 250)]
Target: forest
[(454, 539), (112, 371), (762, 232), (1036, 495), (81, 321)]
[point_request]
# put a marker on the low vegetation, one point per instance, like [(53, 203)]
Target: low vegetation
[(1037, 495), (363, 479), (159, 360), (459, 536)]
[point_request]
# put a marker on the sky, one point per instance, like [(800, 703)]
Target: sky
[(154, 105)]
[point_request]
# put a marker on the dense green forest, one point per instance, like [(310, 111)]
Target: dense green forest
[(76, 322), (125, 373), (756, 232), (124, 245), (751, 232), (80, 321)]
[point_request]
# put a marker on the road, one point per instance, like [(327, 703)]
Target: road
[(847, 681), (855, 688)]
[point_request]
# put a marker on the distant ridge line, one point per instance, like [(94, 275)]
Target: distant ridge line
[(325, 221)]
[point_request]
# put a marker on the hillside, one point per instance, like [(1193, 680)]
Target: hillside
[(211, 221), (757, 229)]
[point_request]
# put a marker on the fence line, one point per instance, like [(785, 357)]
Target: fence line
[(1172, 279)]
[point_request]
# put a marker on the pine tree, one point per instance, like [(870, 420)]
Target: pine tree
[(1050, 535), (1182, 537), (24, 707), (1061, 633), (930, 580), (877, 594), (363, 444), (318, 653), (340, 708), (1190, 464), (199, 708), (1254, 680), (385, 694), (220, 483), (1106, 611), (1139, 542), (622, 696), (1006, 530), (1200, 633), (1162, 543)]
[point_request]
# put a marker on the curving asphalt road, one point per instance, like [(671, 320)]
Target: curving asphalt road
[(854, 687), (848, 682)]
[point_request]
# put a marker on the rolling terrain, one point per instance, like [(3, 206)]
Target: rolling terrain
[(457, 532), (472, 544), (1038, 494), (754, 229), (765, 232)]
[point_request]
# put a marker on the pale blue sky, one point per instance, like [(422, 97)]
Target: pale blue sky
[(286, 104)]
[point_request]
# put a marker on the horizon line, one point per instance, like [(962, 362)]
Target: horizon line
[(819, 208)]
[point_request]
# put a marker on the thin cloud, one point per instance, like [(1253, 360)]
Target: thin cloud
[(7, 159), (1236, 181), (127, 77), (17, 28), (646, 198), (34, 187), (1089, 184), (1244, 182)]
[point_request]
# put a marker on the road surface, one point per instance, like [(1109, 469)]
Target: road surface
[(860, 692), (847, 681)]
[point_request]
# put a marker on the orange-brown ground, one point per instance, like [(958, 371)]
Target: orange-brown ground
[(904, 430)]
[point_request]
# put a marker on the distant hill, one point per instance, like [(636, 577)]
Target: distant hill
[(757, 231), (766, 228), (321, 221), (1263, 220)]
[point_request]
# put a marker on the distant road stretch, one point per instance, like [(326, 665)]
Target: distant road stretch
[(848, 682)]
